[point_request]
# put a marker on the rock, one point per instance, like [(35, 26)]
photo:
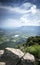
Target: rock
[(1, 53), (2, 63), (17, 52), (28, 59), (13, 56)]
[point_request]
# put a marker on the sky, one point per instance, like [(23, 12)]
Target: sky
[(16, 13)]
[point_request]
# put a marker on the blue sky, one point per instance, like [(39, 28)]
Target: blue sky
[(16, 13)]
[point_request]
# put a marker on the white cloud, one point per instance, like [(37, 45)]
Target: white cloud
[(11, 23), (29, 22), (30, 15), (22, 21), (15, 9), (25, 8), (33, 9)]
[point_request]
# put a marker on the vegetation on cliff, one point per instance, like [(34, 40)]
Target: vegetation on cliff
[(32, 45)]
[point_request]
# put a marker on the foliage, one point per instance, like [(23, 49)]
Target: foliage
[(32, 45), (33, 41), (35, 50)]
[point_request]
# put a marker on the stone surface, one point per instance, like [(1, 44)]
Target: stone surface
[(17, 52), (29, 57), (12, 56), (2, 63), (1, 53)]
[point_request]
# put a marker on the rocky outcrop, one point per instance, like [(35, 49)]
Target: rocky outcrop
[(1, 53), (2, 63), (13, 56), (13, 51), (29, 59)]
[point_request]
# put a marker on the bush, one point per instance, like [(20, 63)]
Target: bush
[(33, 41), (35, 50)]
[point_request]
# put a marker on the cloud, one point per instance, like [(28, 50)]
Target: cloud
[(28, 20), (15, 9), (26, 5), (30, 16), (10, 23), (24, 8), (23, 21), (33, 9)]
